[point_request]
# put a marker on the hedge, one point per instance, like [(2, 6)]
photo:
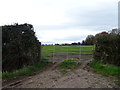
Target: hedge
[(20, 47), (107, 48)]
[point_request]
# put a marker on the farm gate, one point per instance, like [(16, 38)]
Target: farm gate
[(76, 53)]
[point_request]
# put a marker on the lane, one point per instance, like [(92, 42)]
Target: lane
[(81, 77)]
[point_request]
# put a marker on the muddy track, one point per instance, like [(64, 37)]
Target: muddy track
[(12, 82), (53, 77)]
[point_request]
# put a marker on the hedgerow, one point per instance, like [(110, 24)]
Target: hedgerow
[(20, 47), (107, 48)]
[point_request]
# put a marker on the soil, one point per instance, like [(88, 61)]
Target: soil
[(55, 77), (70, 56)]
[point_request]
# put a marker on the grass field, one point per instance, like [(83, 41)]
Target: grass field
[(48, 50)]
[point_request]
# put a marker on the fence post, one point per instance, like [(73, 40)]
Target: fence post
[(54, 54), (67, 53), (1, 56), (80, 53), (40, 53)]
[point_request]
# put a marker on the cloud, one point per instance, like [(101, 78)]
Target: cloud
[(87, 16), (64, 35), (61, 20)]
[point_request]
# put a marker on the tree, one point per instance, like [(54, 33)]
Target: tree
[(83, 42), (89, 40), (114, 31), (74, 43), (78, 43)]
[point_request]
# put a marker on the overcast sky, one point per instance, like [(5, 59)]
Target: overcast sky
[(61, 21)]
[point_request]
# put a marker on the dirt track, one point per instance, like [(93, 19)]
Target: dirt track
[(53, 77)]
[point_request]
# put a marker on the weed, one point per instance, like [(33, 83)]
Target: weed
[(63, 71), (67, 64), (105, 69)]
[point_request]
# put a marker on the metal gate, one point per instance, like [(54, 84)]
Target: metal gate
[(76, 53)]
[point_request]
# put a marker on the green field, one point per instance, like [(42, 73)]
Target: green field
[(48, 50)]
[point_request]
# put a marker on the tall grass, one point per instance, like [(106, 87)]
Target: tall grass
[(105, 69), (24, 71)]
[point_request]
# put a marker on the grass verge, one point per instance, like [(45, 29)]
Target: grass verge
[(105, 69), (24, 71)]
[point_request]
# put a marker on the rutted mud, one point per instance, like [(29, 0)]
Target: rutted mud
[(71, 56), (52, 77)]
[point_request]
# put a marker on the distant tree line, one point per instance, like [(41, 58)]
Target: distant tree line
[(88, 41), (20, 47), (66, 44), (107, 46)]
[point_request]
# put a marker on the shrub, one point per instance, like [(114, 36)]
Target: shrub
[(107, 48), (20, 47)]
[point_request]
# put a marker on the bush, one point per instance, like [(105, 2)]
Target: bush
[(107, 48), (20, 47)]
